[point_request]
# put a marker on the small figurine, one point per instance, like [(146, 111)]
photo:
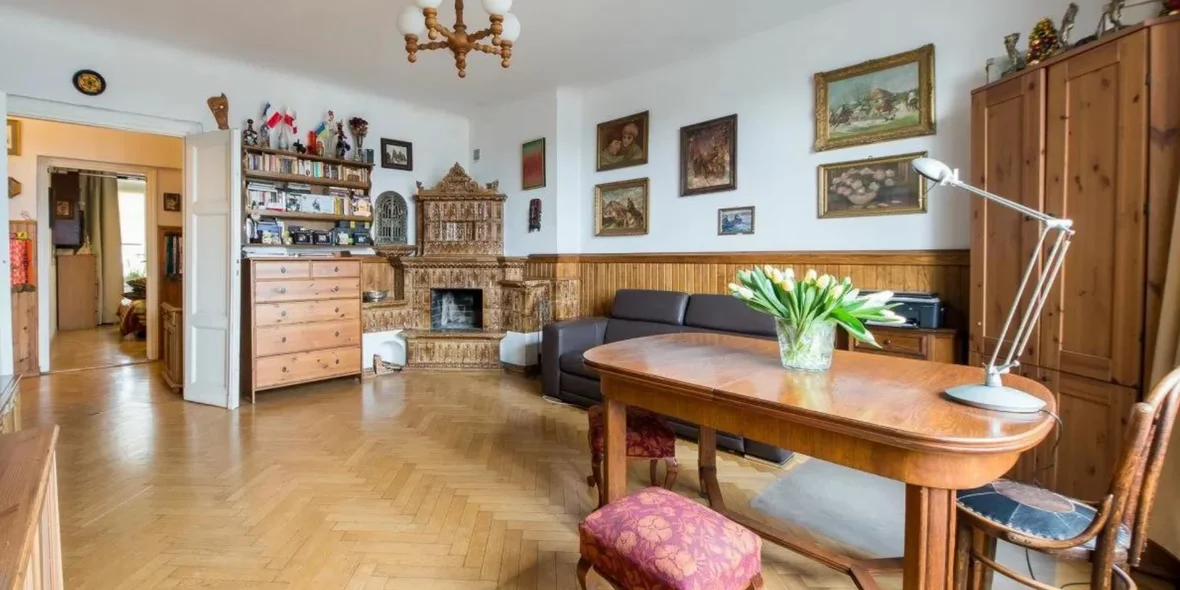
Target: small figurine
[(1015, 56), (1043, 41), (299, 148), (249, 135), (220, 107), (264, 136), (331, 137), (1071, 14), (319, 148), (1112, 14), (342, 146)]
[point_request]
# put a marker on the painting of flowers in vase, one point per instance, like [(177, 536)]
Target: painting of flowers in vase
[(876, 186)]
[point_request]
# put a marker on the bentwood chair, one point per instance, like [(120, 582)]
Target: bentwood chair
[(1110, 534)]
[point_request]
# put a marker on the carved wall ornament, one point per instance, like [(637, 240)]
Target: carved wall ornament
[(219, 105)]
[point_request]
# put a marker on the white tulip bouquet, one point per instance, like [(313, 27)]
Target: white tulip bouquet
[(803, 308)]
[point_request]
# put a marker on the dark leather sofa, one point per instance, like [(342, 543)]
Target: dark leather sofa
[(637, 313)]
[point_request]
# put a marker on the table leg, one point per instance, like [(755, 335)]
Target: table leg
[(707, 470), (614, 481), (929, 539)]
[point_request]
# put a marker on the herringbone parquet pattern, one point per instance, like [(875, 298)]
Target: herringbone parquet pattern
[(418, 481)]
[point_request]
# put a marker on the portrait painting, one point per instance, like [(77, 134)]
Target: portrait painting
[(398, 155), (708, 157), (876, 186), (623, 142), (172, 201), (63, 209), (621, 208), (532, 164), (879, 100), (12, 136), (735, 221)]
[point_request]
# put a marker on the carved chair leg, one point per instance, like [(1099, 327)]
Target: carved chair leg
[(756, 583), (673, 471), (595, 478), (652, 471), (583, 570)]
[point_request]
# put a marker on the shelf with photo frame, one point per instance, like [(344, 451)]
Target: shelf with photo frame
[(312, 194)]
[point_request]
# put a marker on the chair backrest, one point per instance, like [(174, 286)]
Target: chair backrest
[(1136, 477)]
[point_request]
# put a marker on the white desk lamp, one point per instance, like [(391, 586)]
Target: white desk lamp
[(992, 394)]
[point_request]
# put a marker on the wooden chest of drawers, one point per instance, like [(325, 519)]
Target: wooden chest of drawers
[(939, 345), (302, 322)]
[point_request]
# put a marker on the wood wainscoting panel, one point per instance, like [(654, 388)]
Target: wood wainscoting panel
[(945, 272)]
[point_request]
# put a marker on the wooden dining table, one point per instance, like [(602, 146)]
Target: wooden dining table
[(877, 414)]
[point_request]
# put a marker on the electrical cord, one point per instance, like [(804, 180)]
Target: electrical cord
[(1053, 454)]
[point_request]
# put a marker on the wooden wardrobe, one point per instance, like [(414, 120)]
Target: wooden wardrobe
[(1090, 135)]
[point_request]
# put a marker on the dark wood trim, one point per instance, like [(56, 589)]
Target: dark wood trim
[(898, 257), (1158, 562)]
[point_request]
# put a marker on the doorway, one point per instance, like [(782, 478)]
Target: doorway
[(98, 290)]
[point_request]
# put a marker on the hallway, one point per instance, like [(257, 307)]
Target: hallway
[(100, 347)]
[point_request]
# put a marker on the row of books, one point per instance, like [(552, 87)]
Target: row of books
[(296, 166), (173, 255), (298, 198)]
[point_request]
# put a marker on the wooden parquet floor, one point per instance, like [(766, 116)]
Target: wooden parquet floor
[(103, 346), (416, 481)]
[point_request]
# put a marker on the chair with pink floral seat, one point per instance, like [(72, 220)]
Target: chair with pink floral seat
[(657, 540), (648, 437)]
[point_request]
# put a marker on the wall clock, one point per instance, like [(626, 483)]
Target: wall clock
[(89, 82)]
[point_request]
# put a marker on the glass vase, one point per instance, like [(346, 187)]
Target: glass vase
[(808, 347)]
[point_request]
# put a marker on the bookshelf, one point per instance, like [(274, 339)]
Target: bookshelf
[(295, 191)]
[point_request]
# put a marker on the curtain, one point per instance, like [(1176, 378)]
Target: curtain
[(1165, 521), (101, 196)]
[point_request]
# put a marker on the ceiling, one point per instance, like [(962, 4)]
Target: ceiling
[(356, 42)]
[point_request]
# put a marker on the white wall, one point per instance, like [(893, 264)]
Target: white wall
[(38, 56), (767, 81)]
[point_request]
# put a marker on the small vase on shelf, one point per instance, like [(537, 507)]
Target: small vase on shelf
[(806, 312)]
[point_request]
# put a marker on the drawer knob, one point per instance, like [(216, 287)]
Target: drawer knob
[(281, 289), (888, 342), (283, 313), (283, 270), (284, 338)]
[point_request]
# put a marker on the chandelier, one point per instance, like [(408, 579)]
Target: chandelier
[(505, 28)]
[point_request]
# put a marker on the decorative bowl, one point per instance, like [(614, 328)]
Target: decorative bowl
[(375, 296)]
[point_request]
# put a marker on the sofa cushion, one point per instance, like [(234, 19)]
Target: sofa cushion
[(572, 362), (665, 307), (617, 330), (657, 540), (726, 314), (580, 390)]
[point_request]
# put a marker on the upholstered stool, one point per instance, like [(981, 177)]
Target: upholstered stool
[(648, 437), (657, 540)]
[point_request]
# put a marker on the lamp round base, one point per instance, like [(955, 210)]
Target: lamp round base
[(1000, 399)]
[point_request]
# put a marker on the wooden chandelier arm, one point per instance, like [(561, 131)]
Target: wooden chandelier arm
[(432, 46), (485, 48), (493, 31), (442, 30)]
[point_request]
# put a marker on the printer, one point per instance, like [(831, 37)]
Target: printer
[(920, 310)]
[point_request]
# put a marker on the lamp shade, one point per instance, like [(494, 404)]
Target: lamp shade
[(511, 28), (411, 22), (933, 169), (428, 3), (497, 6)]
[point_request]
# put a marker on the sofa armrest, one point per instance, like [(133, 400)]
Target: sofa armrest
[(562, 337)]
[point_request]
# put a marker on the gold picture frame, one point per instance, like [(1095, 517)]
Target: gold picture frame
[(12, 136), (623, 142), (871, 187), (615, 217), (870, 96)]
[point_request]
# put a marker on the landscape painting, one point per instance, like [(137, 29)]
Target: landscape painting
[(532, 164), (708, 157), (735, 221), (879, 100), (878, 186), (621, 208)]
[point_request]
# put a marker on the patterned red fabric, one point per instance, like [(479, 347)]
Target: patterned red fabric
[(648, 435), (656, 540)]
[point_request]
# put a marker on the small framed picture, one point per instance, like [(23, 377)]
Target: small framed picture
[(12, 135), (735, 221), (172, 201), (398, 155), (63, 209), (623, 142), (532, 164)]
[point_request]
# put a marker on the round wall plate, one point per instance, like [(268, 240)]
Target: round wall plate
[(89, 82)]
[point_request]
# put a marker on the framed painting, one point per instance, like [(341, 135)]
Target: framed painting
[(623, 142), (63, 209), (172, 201), (879, 100), (876, 186), (398, 155), (708, 157), (735, 221), (12, 136), (621, 208), (532, 164)]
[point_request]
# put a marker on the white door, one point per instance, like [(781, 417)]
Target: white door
[(6, 342), (212, 267)]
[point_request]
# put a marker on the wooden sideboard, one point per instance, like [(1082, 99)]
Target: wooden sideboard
[(30, 529), (172, 345), (301, 321), (1090, 136)]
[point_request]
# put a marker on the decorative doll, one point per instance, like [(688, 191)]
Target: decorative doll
[(249, 135), (342, 146)]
